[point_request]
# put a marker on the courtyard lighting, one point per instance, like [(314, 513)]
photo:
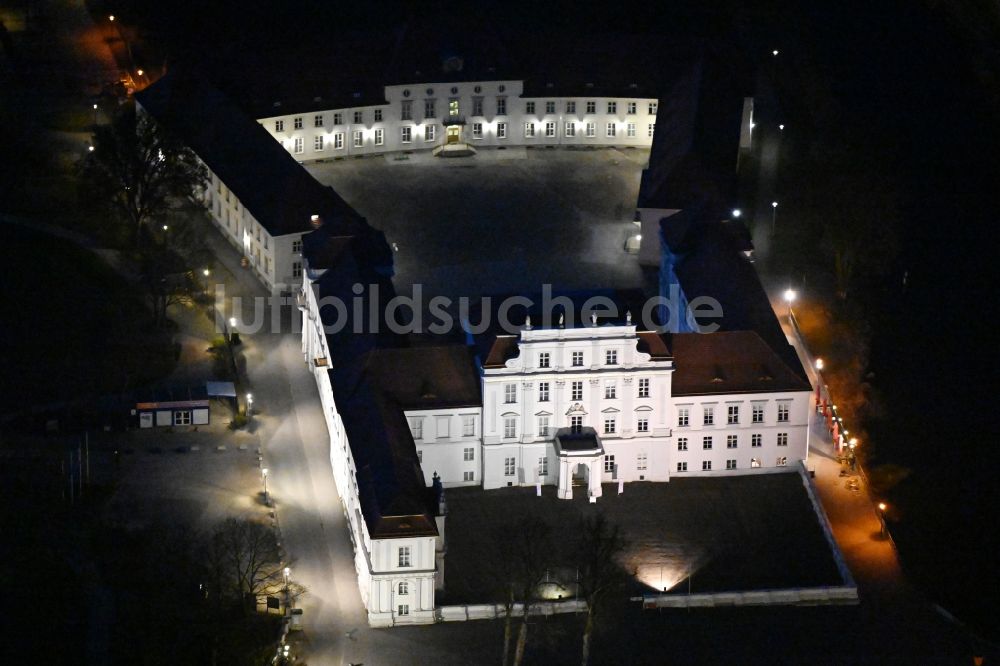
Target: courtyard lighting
[(90, 148), (206, 272), (263, 474), (774, 215), (139, 72), (819, 364), (165, 227), (638, 237), (737, 212), (774, 52), (881, 516), (790, 295), (111, 18), (781, 128)]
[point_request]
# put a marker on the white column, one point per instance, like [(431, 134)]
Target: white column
[(594, 478), (565, 479)]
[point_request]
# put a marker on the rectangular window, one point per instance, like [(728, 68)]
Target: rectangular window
[(550, 129), (682, 467), (404, 557), (501, 106), (297, 269), (644, 387), (650, 129), (642, 425), (429, 132), (279, 125), (405, 134), (299, 145), (509, 466), (550, 107), (318, 142), (543, 359), (781, 461), (683, 417), (610, 389), (610, 425), (570, 129), (706, 465), (477, 130), (406, 110), (317, 121), (429, 110), (591, 107), (782, 412), (468, 454), (652, 108), (576, 391), (543, 426), (576, 423), (468, 476), (501, 130), (297, 246), (609, 463), (182, 418), (378, 115), (477, 106), (612, 129), (510, 427), (571, 107), (578, 359), (297, 123), (510, 393), (757, 413), (591, 130), (543, 466), (443, 427), (706, 443), (755, 440), (529, 130), (468, 425), (754, 463), (453, 107), (403, 609), (630, 108), (403, 589), (630, 130), (641, 461), (611, 357), (379, 137), (732, 414), (708, 415), (612, 107), (529, 107), (417, 428), (732, 441), (730, 464), (338, 118), (359, 117), (543, 391), (359, 139), (682, 443), (782, 439), (338, 141)]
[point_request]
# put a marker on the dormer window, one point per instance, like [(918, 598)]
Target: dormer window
[(611, 357)]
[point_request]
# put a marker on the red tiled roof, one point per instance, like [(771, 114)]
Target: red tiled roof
[(729, 362)]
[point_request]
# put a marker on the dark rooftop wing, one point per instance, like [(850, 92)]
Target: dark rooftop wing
[(428, 377), (273, 187), (729, 362)]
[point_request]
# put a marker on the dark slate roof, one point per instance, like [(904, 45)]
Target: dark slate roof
[(273, 187), (730, 362), (428, 377), (570, 441)]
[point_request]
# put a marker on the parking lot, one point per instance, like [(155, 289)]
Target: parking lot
[(500, 222)]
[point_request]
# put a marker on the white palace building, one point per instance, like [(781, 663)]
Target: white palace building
[(582, 405)]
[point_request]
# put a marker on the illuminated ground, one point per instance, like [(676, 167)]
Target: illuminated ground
[(504, 221), (733, 533)]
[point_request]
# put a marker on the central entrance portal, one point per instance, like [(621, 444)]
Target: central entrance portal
[(454, 134)]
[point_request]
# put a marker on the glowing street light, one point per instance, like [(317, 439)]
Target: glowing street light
[(165, 227), (263, 474), (819, 364), (737, 212), (789, 296), (774, 52), (881, 516), (90, 149), (781, 128), (111, 18), (206, 272), (249, 404), (774, 215), (139, 72)]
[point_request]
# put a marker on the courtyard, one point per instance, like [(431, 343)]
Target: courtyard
[(697, 534), (501, 221)]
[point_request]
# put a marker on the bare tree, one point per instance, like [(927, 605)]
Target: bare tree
[(136, 169), (245, 563), (523, 552), (598, 547)]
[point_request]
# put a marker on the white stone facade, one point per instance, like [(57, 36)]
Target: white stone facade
[(423, 116)]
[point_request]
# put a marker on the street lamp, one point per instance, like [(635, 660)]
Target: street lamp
[(881, 515), (165, 227), (819, 364), (781, 128), (249, 404), (263, 474), (774, 52), (95, 114), (774, 215), (790, 295), (111, 18), (737, 212)]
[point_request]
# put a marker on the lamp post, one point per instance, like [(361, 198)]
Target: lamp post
[(95, 115), (736, 213), (234, 335), (263, 475), (881, 515), (774, 215), (819, 364), (790, 295), (249, 405)]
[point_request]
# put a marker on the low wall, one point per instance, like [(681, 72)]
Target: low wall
[(824, 523), (805, 596), (493, 611)]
